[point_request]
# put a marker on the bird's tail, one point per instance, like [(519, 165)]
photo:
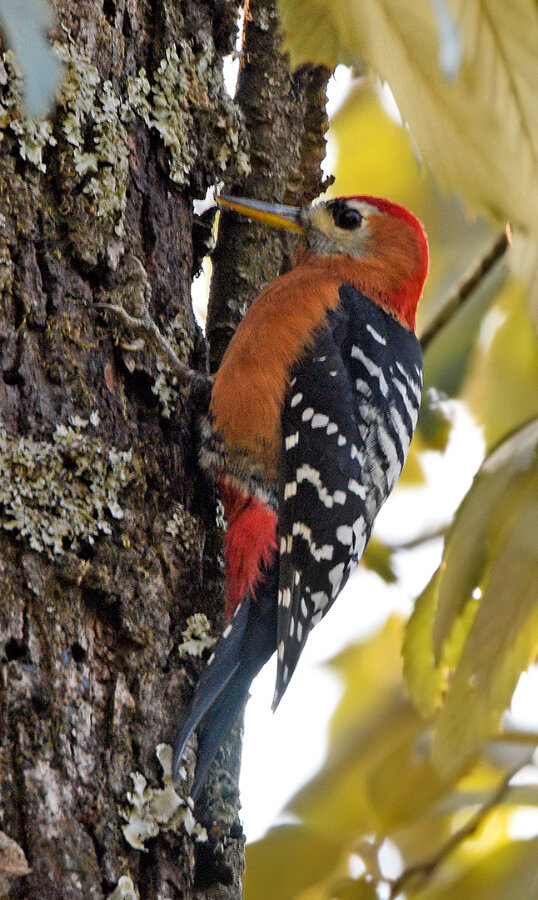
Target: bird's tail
[(246, 644)]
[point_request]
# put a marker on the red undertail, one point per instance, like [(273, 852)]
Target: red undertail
[(249, 543)]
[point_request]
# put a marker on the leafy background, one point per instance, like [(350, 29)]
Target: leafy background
[(422, 758)]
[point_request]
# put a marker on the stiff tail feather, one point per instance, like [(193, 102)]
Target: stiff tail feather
[(247, 643)]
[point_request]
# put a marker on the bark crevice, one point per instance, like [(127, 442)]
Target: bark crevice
[(115, 541)]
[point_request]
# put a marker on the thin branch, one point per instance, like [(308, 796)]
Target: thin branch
[(198, 383), (516, 737), (420, 872), (466, 287), (417, 541), (131, 289), (145, 327), (516, 795)]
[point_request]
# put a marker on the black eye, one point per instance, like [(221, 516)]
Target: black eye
[(346, 217)]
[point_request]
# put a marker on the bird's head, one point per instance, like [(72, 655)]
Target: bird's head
[(378, 246)]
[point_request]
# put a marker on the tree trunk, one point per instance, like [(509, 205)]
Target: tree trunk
[(109, 537)]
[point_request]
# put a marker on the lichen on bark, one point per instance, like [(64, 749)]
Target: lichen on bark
[(63, 493), (109, 534)]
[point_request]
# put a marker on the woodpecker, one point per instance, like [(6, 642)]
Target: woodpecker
[(310, 419)]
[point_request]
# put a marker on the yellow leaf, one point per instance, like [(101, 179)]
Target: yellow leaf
[(525, 268), (370, 671), (374, 156), (502, 642), (286, 861), (412, 472), (475, 626), (478, 529), (479, 130), (374, 152), (451, 352), (502, 384), (378, 775), (379, 779), (378, 558), (510, 872), (359, 889), (426, 676)]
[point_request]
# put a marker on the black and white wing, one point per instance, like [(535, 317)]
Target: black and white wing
[(348, 419)]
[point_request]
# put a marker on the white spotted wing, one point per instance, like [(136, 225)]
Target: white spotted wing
[(349, 415)]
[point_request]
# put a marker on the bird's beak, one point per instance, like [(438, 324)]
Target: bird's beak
[(277, 215)]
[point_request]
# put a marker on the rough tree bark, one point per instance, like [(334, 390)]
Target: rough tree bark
[(109, 537)]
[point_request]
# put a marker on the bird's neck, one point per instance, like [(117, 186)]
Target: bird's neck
[(379, 278)]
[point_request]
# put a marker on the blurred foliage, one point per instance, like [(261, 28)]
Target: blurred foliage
[(507, 872), (378, 558), (502, 384), (488, 104), (421, 758), (24, 23), (380, 787), (487, 581)]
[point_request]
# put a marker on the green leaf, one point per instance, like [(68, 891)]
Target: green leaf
[(378, 558), (480, 526), (502, 642), (479, 130)]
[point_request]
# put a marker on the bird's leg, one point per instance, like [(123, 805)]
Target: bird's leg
[(133, 290)]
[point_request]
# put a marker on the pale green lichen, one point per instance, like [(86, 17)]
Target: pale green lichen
[(124, 890), (78, 92), (151, 810), (165, 386), (95, 113), (61, 494), (138, 91), (184, 528), (185, 100), (32, 136), (186, 84), (196, 636), (174, 525), (174, 84)]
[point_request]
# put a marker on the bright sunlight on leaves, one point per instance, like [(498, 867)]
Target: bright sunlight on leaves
[(479, 130), (416, 798)]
